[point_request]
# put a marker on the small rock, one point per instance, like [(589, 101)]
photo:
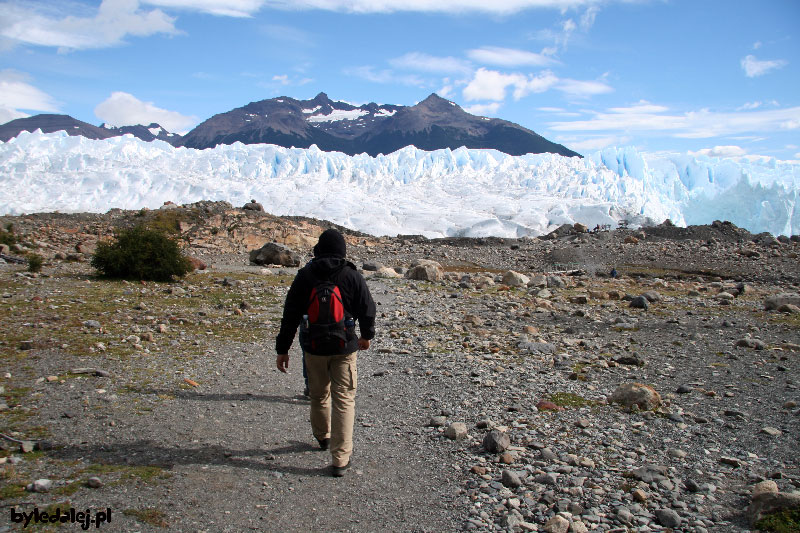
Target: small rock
[(496, 441), (765, 487), (40, 485), (668, 518), (643, 396), (515, 279), (437, 421), (510, 479), (456, 431), (730, 461), (94, 482), (557, 524), (639, 302), (772, 432), (546, 405), (27, 446), (506, 458)]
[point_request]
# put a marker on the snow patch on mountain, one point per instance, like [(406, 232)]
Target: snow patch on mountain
[(446, 192), (339, 114)]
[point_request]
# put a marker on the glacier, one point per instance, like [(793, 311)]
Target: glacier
[(462, 192)]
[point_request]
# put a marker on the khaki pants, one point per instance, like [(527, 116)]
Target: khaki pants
[(332, 382)]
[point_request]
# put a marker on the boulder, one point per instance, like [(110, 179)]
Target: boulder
[(253, 206), (386, 272), (197, 264), (456, 431), (515, 279), (561, 231), (640, 302), (425, 270), (273, 253), (643, 396), (774, 302), (539, 281), (496, 441)]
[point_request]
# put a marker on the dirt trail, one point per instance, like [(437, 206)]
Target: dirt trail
[(237, 454)]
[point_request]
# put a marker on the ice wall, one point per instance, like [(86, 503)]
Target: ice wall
[(439, 193)]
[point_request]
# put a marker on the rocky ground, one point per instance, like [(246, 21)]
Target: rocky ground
[(489, 401)]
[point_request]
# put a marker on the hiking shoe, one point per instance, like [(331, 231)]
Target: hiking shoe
[(323, 443), (338, 471)]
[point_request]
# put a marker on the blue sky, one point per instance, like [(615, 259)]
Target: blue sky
[(706, 76)]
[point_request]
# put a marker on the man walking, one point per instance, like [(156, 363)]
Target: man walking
[(327, 297)]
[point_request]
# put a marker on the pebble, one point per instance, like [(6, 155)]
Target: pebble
[(456, 431)]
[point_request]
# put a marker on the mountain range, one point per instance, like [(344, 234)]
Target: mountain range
[(432, 124)]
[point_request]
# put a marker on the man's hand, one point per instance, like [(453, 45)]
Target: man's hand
[(282, 361), (363, 344)]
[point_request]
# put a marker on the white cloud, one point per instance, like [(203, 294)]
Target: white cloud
[(558, 111), (484, 109), (225, 8), (754, 67), (648, 119), (642, 106), (282, 79), (583, 88), (16, 93), (447, 89), (384, 76), (123, 109), (721, 151), (451, 6), (8, 114), (427, 63), (492, 85), (51, 24), (509, 57), (757, 45), (594, 143)]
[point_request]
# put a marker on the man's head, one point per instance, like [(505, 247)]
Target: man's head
[(331, 244)]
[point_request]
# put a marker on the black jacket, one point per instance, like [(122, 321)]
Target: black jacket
[(355, 297)]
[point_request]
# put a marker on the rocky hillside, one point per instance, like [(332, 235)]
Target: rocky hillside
[(514, 385)]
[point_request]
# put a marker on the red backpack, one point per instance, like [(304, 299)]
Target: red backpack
[(330, 329)]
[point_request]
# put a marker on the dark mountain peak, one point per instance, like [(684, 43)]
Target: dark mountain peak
[(51, 122), (434, 102), (321, 98)]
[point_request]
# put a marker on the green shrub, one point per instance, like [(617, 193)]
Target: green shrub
[(35, 262), (786, 521), (141, 253), (7, 236)]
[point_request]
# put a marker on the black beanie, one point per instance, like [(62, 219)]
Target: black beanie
[(331, 243)]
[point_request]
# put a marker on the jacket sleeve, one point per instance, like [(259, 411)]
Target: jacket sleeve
[(366, 309), (293, 310)]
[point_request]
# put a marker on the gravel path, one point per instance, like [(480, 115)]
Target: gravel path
[(189, 427)]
